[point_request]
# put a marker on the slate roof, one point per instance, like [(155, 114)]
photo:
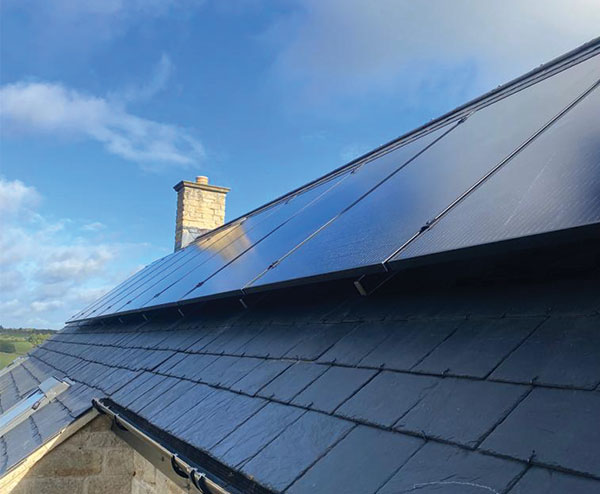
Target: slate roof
[(473, 372), (473, 389)]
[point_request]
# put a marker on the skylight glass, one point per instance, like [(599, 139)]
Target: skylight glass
[(44, 394)]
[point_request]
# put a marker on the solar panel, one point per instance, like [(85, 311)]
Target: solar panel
[(208, 259), (110, 294), (552, 184), (143, 276), (326, 208), (190, 255), (371, 231), (504, 170)]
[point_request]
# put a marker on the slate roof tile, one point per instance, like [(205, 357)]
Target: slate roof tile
[(292, 381), (360, 341), (478, 346), (318, 338), (462, 411), (21, 441), (215, 417), (333, 388), (167, 416), (296, 449), (260, 376), (254, 434), (154, 406), (439, 468), (274, 341), (232, 339), (409, 343), (208, 335), (191, 366), (550, 425), (78, 397), (180, 339), (543, 481), (226, 370), (51, 419), (563, 351), (158, 388), (362, 461), (387, 397), (137, 388)]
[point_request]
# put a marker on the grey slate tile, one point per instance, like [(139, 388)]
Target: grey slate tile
[(124, 393), (232, 339), (359, 464), (20, 442), (167, 416), (157, 390), (478, 346), (353, 347), (318, 338), (387, 397), (117, 379), (51, 419), (171, 362), (208, 335), (78, 398), (274, 341), (333, 387), (180, 340), (409, 343), (296, 449), (137, 389), (292, 381), (191, 366), (10, 395), (226, 370), (543, 481), (159, 403), (563, 351), (439, 468), (261, 375), (461, 410), (248, 439), (562, 427), (216, 417)]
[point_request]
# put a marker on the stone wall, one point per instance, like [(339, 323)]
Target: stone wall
[(92, 460), (200, 208)]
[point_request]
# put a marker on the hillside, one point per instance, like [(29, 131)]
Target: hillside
[(15, 342)]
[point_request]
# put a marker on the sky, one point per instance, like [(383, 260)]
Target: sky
[(106, 104)]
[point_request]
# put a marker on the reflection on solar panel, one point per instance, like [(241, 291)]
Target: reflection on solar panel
[(552, 184), (523, 160), (389, 217)]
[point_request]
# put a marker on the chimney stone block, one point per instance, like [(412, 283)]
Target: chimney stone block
[(200, 208)]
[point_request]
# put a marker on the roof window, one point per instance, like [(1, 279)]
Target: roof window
[(36, 399)]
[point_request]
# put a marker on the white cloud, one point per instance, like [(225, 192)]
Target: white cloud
[(49, 268), (15, 196), (157, 82), (54, 109), (332, 50), (95, 226)]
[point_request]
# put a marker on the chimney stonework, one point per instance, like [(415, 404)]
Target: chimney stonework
[(200, 208)]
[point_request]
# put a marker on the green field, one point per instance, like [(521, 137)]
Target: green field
[(15, 342)]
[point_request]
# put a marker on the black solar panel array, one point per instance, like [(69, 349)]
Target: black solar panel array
[(525, 162)]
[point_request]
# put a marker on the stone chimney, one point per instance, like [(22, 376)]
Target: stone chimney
[(200, 208)]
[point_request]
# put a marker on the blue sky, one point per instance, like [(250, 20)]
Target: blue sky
[(106, 104)]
